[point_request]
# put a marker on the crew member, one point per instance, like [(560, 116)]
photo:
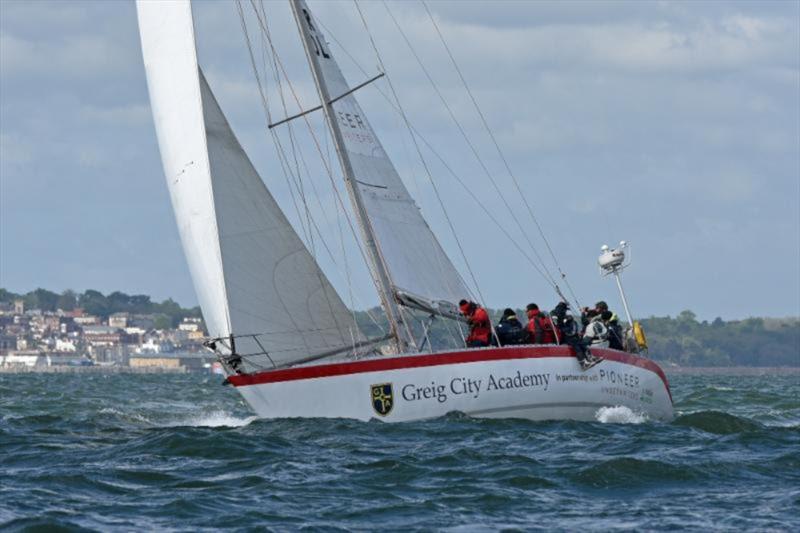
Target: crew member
[(615, 338), (611, 321), (602, 307), (568, 334), (480, 329), (540, 327), (510, 330), (587, 315), (596, 333)]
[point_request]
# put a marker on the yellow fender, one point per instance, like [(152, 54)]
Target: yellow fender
[(638, 333)]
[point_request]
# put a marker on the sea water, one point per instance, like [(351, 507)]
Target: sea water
[(180, 452)]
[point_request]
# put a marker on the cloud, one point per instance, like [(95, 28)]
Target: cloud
[(672, 125), (136, 114), (14, 150), (732, 43), (82, 56)]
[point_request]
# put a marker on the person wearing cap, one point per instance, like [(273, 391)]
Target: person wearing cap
[(602, 307), (587, 314), (540, 327), (480, 329), (510, 330)]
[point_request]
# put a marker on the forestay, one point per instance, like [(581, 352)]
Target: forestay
[(418, 266), (253, 276)]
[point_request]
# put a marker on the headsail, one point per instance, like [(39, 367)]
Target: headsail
[(254, 277), (420, 272)]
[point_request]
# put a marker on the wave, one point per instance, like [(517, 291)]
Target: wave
[(717, 422), (629, 471), (133, 417), (212, 419), (215, 419), (39, 524), (619, 415)]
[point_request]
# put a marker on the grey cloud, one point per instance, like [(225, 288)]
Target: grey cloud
[(673, 125)]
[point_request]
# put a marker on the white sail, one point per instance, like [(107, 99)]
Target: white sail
[(253, 276), (418, 266)]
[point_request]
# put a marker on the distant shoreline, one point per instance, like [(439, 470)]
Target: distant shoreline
[(730, 370), (94, 369), (672, 371)]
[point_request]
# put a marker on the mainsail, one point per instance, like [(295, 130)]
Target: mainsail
[(420, 272), (255, 279)]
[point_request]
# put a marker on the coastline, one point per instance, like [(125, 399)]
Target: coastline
[(730, 370), (669, 370), (96, 369)]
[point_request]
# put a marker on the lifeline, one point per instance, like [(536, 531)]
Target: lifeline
[(518, 382)]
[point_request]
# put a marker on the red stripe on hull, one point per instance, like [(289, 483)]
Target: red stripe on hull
[(444, 358)]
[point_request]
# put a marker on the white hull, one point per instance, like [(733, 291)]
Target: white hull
[(531, 382)]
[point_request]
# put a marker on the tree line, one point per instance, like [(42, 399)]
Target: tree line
[(682, 340), (167, 313), (685, 341)]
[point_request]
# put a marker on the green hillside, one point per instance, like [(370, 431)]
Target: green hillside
[(682, 340)]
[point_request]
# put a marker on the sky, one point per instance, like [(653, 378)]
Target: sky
[(673, 126)]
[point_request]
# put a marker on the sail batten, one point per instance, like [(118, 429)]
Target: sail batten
[(414, 259), (255, 279)]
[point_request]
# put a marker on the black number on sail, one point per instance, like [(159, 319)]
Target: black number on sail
[(318, 47)]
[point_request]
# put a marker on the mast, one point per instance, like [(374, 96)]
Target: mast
[(381, 273)]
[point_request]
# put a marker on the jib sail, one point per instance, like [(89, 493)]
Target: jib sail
[(254, 278)]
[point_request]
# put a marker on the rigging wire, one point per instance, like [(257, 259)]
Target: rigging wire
[(326, 165), (278, 69), (284, 161), (467, 140), (264, 102), (297, 161), (339, 208), (276, 73), (297, 178), (413, 131), (292, 136), (500, 152), (419, 152)]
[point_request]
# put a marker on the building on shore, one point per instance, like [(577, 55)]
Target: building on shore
[(191, 362), (33, 338)]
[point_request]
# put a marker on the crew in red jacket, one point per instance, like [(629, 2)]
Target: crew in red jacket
[(480, 329), (540, 327)]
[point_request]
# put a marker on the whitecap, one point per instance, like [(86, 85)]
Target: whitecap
[(619, 415), (126, 416), (215, 419)]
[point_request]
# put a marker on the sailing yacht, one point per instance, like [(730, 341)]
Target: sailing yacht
[(283, 334)]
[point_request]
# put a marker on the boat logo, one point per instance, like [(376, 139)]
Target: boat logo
[(382, 399)]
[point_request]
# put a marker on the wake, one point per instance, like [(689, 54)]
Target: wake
[(619, 415)]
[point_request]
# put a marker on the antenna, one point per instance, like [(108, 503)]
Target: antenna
[(614, 261)]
